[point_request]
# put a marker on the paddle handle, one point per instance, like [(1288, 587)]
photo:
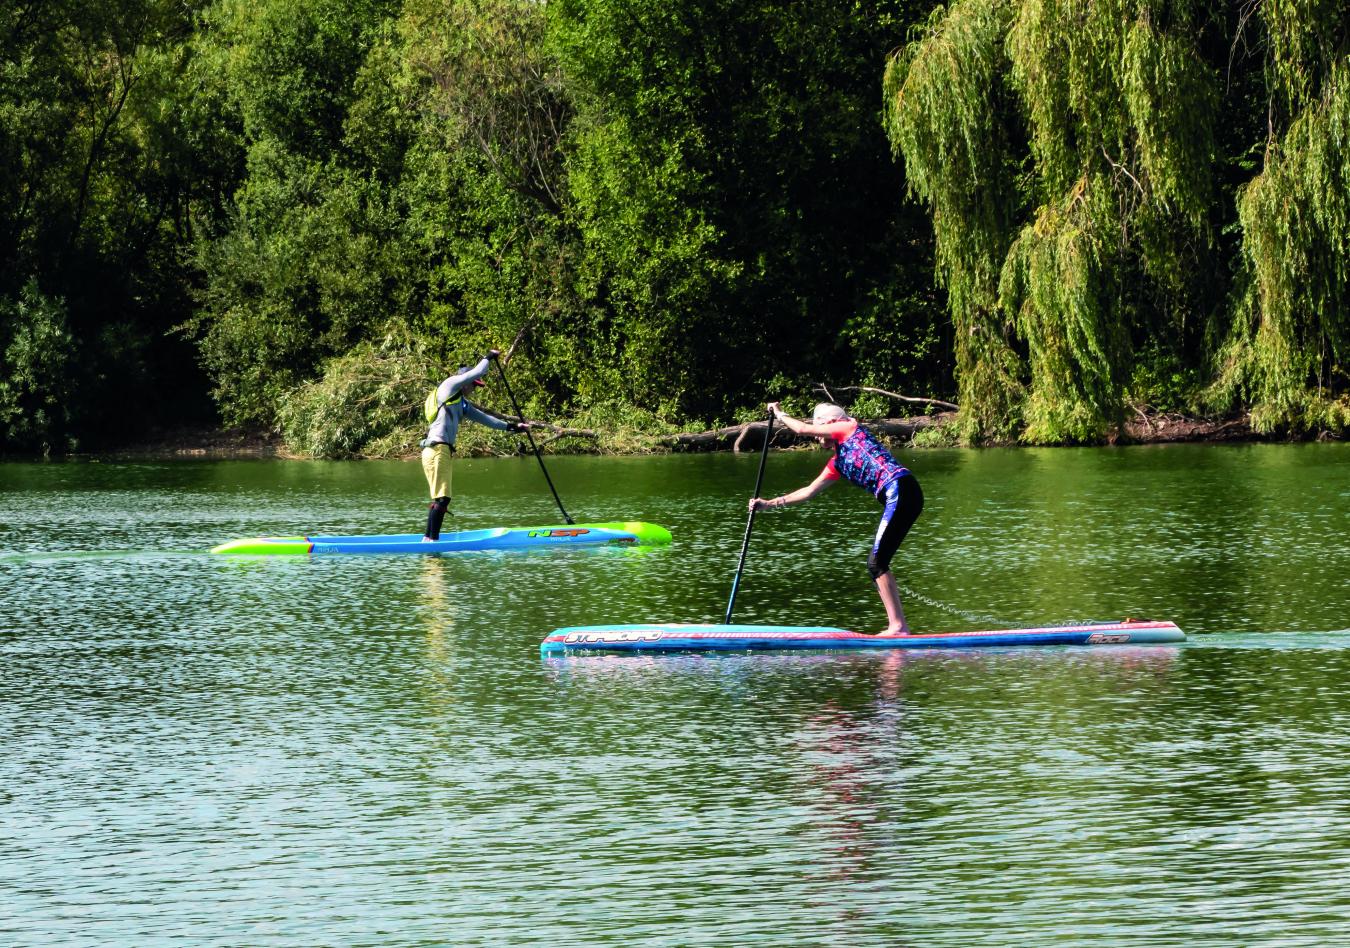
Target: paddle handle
[(537, 456), (750, 522)]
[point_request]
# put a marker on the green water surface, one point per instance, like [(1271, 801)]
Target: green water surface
[(370, 751)]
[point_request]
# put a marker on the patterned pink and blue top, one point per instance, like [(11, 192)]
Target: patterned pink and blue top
[(860, 459)]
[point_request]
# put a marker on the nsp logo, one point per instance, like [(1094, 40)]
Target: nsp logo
[(559, 533)]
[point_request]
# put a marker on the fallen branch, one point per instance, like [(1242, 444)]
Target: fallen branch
[(881, 391), (733, 438), (560, 433), (750, 436), (740, 438)]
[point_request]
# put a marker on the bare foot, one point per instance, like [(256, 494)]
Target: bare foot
[(893, 633)]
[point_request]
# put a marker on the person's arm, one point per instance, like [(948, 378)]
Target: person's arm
[(492, 421), (822, 481), (805, 427)]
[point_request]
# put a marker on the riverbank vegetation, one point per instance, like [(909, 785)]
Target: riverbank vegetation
[(296, 217)]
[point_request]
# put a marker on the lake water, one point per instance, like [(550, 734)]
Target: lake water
[(370, 751)]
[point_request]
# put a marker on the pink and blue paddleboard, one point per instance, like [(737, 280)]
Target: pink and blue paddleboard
[(677, 637)]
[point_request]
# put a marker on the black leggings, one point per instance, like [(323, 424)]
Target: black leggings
[(904, 502), (436, 514)]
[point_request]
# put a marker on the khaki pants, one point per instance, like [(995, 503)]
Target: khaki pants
[(438, 465)]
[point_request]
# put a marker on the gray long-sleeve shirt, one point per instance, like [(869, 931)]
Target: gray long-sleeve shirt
[(445, 427)]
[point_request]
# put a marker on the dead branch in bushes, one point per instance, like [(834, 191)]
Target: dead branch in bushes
[(820, 386), (750, 436)]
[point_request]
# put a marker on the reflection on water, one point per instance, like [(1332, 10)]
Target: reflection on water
[(329, 751), (438, 609)]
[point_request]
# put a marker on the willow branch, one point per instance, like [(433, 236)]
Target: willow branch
[(1122, 169)]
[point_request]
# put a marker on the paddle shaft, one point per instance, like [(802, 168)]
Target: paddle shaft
[(750, 522), (537, 456)]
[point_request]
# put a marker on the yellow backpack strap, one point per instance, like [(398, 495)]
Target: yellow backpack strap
[(432, 406)]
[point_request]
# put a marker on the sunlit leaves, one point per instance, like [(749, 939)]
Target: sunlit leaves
[(947, 114), (1289, 350), (1081, 196)]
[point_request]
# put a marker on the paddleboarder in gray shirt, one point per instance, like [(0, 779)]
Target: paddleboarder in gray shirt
[(445, 408)]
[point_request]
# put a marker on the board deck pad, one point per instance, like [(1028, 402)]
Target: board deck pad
[(618, 533), (687, 637)]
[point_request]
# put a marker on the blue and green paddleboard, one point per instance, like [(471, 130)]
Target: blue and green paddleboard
[(630, 533), (683, 637)]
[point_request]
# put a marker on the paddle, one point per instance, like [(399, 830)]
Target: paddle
[(537, 455), (745, 544)]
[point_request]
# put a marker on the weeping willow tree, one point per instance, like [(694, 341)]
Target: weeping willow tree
[(1290, 336), (1119, 103), (1072, 215), (947, 109)]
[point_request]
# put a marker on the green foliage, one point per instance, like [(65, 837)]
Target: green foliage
[(499, 87), (664, 218), (733, 195), (314, 263), (1053, 280), (291, 66), (1163, 383), (368, 404), (621, 429), (371, 393), (313, 258), (1289, 345), (671, 212), (1091, 251), (1121, 138), (500, 253), (1307, 41), (898, 336), (937, 436), (870, 405), (654, 258), (37, 391), (948, 114), (90, 211)]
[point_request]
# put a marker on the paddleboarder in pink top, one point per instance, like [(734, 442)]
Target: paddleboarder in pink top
[(860, 459)]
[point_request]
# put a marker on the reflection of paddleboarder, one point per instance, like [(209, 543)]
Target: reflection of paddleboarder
[(860, 459)]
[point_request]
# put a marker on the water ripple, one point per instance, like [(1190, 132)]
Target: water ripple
[(370, 751)]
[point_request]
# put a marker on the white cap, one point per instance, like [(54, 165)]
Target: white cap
[(827, 412)]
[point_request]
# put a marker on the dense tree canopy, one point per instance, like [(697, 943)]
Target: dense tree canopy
[(95, 213), (1135, 201), (297, 215)]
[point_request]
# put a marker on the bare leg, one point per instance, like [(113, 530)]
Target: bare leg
[(890, 598)]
